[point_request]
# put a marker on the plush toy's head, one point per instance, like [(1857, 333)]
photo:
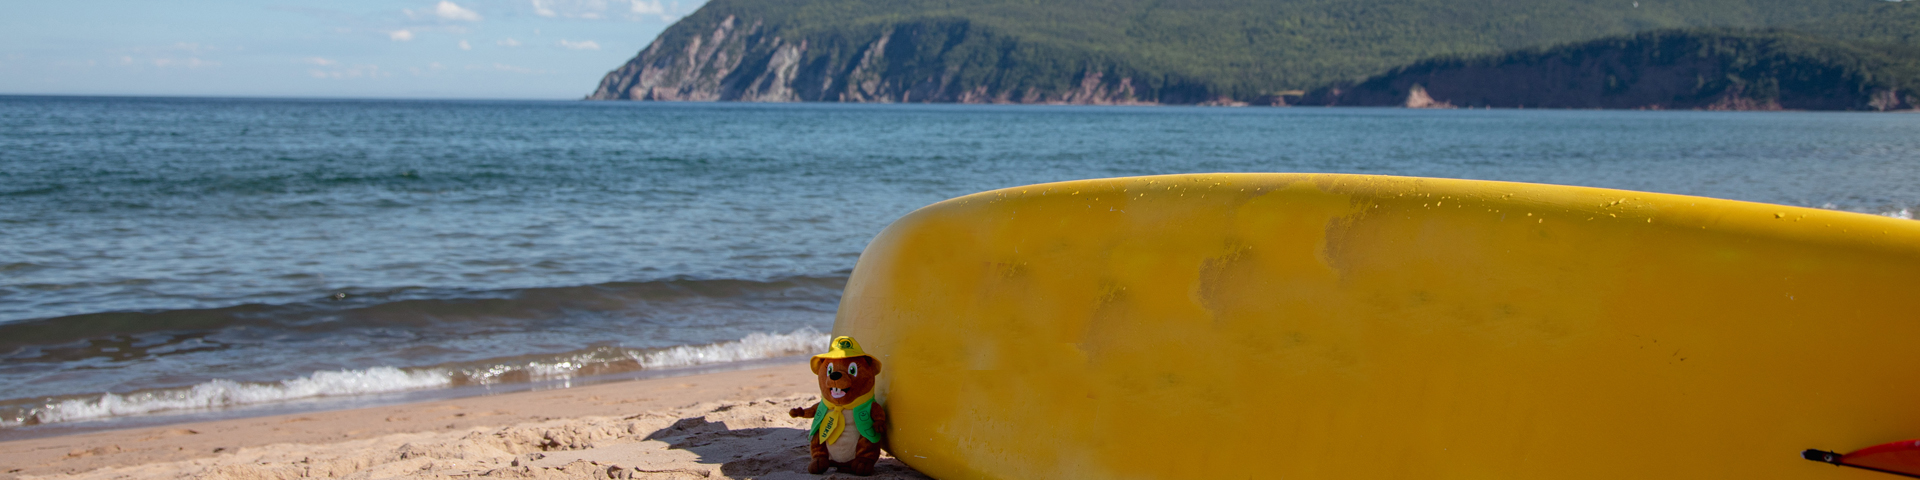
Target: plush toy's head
[(846, 372)]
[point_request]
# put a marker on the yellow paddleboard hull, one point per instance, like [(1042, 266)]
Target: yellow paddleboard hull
[(1353, 326)]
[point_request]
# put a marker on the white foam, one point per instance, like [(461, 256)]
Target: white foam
[(561, 369), (218, 394), (1904, 213), (753, 347)]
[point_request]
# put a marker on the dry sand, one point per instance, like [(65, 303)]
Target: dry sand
[(719, 425)]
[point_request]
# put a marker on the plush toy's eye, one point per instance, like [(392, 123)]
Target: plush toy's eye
[(853, 369)]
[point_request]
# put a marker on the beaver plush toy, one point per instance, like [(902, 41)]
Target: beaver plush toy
[(848, 424)]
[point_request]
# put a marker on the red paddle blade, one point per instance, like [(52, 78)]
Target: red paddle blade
[(1897, 457)]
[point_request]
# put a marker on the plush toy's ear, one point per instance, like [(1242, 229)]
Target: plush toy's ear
[(873, 364), (815, 366)]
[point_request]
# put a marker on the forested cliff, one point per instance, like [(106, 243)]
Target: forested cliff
[(1677, 69), (1162, 51)]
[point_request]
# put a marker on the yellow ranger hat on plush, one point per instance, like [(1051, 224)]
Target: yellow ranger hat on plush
[(842, 347)]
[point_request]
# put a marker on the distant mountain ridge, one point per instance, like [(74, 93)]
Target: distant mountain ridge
[(1148, 51), (1672, 69)]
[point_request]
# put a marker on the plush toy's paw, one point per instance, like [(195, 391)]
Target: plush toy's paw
[(797, 412), (819, 464), (879, 416), (861, 468)]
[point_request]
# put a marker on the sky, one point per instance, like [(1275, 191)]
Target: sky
[(489, 49)]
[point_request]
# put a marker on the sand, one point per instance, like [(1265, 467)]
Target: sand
[(719, 425)]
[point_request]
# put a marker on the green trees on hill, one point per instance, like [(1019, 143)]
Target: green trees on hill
[(1688, 68), (1186, 51)]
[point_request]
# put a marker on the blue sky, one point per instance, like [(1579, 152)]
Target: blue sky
[(532, 49)]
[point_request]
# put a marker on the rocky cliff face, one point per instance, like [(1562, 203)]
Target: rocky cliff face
[(706, 68), (735, 59)]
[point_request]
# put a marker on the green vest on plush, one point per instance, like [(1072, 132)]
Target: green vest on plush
[(829, 415)]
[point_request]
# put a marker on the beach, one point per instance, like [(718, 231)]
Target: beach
[(169, 255), (208, 262), (718, 425)]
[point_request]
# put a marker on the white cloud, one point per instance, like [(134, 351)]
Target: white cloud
[(501, 67), (583, 9), (190, 62), (356, 71), (465, 46), (176, 55), (580, 45), (445, 10), (541, 9), (400, 35), (322, 61), (509, 68), (432, 68), (450, 11), (187, 47), (509, 42), (643, 9), (665, 10)]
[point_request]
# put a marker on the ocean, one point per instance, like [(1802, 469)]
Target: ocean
[(166, 259)]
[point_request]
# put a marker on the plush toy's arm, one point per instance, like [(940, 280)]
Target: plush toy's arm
[(879, 415), (804, 412)]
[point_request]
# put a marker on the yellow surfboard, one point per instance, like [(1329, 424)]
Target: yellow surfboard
[(1352, 326)]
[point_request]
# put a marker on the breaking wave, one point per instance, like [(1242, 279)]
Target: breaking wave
[(219, 394), (224, 394), (602, 361)]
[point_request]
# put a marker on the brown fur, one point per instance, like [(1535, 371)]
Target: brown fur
[(865, 453)]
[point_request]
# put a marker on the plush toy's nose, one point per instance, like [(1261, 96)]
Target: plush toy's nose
[(833, 375)]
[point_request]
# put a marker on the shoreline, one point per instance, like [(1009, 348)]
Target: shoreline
[(297, 406), (724, 423)]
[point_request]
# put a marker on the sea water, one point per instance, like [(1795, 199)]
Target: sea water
[(174, 256)]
